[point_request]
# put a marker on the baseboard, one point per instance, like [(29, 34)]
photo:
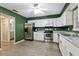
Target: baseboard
[(39, 40), (28, 39), (55, 42), (19, 41)]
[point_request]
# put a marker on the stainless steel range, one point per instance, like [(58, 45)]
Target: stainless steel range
[(48, 35)]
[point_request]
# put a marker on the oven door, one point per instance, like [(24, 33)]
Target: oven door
[(48, 36)]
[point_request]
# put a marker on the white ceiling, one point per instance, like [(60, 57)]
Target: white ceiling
[(27, 9)]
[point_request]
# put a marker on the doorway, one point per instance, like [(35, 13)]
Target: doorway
[(7, 30)]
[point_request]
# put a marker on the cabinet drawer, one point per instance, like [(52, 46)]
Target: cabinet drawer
[(71, 47)]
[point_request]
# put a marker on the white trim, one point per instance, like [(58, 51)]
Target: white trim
[(19, 41), (14, 27), (14, 30)]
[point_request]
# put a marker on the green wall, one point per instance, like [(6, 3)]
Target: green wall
[(20, 20)]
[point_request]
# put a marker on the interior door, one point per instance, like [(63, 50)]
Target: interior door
[(5, 29)]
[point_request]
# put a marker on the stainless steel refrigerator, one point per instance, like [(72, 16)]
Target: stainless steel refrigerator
[(29, 31)]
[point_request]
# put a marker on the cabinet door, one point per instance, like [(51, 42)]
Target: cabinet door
[(75, 19), (63, 19), (61, 22), (63, 47), (60, 44), (67, 48), (50, 22), (55, 37), (73, 50), (69, 17), (35, 36), (41, 36), (58, 22), (54, 22)]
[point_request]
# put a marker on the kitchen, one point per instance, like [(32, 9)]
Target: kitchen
[(65, 30), (58, 25)]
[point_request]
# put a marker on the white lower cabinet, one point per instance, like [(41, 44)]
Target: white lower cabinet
[(73, 50), (39, 36), (35, 35), (55, 37), (63, 47), (67, 48)]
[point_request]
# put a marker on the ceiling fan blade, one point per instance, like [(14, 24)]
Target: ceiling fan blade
[(43, 9), (39, 5), (38, 12)]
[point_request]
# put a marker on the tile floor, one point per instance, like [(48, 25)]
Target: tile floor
[(30, 48)]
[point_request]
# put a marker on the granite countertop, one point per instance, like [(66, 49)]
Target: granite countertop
[(70, 36), (72, 39)]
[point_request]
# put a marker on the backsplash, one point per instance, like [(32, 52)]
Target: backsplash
[(63, 28)]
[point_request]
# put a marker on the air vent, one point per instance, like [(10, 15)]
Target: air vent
[(14, 10)]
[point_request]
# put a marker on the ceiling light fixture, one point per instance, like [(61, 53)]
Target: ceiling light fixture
[(35, 5), (37, 9)]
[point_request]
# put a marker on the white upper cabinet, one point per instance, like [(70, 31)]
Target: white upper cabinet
[(39, 23), (58, 22), (67, 16), (55, 22), (50, 22), (61, 21), (75, 20), (43, 22)]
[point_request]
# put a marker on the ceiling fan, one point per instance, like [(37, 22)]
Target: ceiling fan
[(38, 9), (35, 8)]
